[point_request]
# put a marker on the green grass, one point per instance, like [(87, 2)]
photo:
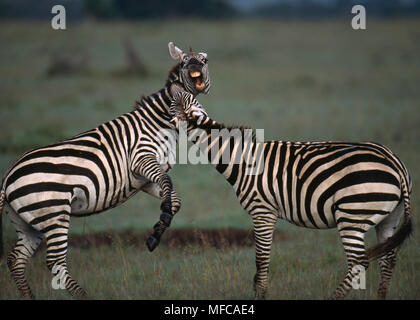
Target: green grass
[(299, 81), (298, 270)]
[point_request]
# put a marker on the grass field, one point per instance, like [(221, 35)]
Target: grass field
[(300, 81)]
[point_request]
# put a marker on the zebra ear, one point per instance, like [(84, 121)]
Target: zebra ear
[(175, 52)]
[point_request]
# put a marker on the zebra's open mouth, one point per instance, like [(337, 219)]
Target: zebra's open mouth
[(196, 76)]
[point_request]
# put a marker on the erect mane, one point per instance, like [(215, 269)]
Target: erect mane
[(221, 126), (218, 125), (138, 104), (174, 70)]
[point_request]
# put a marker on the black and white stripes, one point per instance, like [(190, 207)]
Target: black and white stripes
[(92, 172), (343, 185)]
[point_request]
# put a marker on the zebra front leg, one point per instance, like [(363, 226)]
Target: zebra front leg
[(165, 217), (154, 190), (263, 233), (149, 168)]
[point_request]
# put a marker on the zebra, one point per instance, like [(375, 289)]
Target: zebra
[(351, 186), (95, 171)]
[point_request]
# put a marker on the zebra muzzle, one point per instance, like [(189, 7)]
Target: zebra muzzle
[(199, 84)]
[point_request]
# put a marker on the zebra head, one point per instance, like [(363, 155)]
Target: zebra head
[(194, 71)]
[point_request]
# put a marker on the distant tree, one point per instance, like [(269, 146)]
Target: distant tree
[(101, 9), (40, 9), (145, 9), (333, 8), (135, 9)]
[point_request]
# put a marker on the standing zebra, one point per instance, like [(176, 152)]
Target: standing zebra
[(94, 171), (348, 186)]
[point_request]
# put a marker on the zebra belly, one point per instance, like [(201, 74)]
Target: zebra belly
[(80, 202), (40, 193), (309, 219)]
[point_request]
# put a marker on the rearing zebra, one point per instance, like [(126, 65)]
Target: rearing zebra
[(349, 186), (94, 171)]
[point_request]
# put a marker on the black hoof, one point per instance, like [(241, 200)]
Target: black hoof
[(152, 242)]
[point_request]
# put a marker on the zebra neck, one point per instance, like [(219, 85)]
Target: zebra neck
[(174, 76), (227, 148), (160, 101)]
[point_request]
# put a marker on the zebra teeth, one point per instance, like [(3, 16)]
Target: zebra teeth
[(195, 74)]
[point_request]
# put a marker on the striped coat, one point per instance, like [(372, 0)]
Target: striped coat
[(349, 186), (95, 171)]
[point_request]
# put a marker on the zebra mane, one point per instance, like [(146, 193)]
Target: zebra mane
[(210, 125), (220, 126), (138, 104), (173, 76)]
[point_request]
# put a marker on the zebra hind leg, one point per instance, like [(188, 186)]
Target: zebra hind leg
[(26, 245), (384, 230), (57, 241), (352, 237), (386, 265)]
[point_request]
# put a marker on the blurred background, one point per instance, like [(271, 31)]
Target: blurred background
[(294, 68)]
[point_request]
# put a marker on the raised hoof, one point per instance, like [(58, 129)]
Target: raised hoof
[(152, 242)]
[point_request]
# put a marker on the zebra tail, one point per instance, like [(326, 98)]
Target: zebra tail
[(402, 233), (2, 201)]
